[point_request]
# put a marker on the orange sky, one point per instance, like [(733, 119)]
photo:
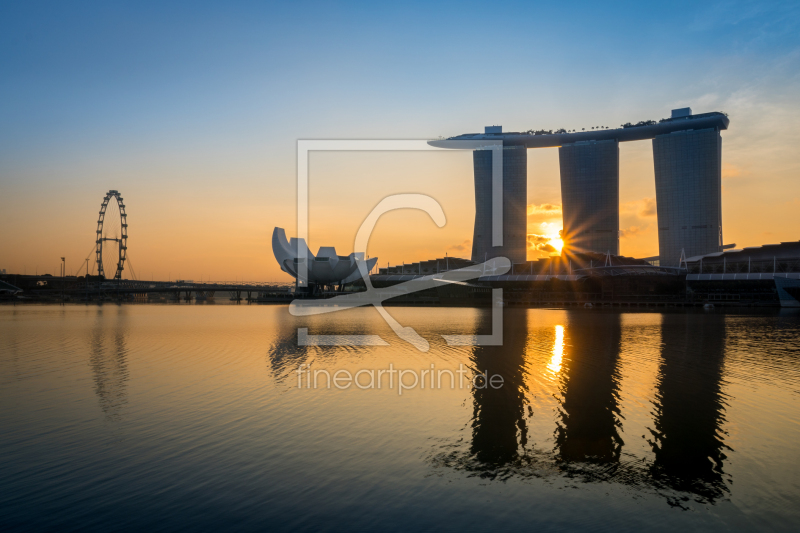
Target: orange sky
[(211, 230), (194, 115)]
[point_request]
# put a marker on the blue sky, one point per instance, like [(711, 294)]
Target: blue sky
[(358, 69), (187, 95)]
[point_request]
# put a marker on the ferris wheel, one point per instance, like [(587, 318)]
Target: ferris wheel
[(115, 230)]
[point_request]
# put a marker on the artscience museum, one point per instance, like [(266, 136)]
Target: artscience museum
[(324, 270)]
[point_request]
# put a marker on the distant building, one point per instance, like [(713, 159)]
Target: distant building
[(687, 152), (688, 168), (757, 273), (326, 269), (426, 268), (515, 205), (590, 196)]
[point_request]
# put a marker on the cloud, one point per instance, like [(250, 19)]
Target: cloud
[(706, 101), (646, 207), (730, 171), (464, 246), (544, 209), (630, 232), (541, 243), (534, 239), (549, 228)]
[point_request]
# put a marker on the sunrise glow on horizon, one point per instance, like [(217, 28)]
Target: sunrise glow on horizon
[(204, 147)]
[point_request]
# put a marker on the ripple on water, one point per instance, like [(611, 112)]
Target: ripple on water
[(167, 417)]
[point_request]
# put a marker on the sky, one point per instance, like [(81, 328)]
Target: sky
[(193, 111)]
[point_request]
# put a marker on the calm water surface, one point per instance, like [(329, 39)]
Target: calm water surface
[(168, 417)]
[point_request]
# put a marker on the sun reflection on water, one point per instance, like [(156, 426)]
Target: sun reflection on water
[(558, 351)]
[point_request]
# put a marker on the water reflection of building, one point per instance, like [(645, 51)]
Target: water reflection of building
[(688, 442), (108, 362), (688, 438), (589, 418), (498, 422), (284, 355)]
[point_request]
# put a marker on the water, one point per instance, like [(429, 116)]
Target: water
[(164, 417)]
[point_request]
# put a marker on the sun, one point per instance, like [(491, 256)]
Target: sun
[(549, 241)]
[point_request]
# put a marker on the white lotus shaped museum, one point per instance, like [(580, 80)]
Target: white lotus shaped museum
[(326, 268)]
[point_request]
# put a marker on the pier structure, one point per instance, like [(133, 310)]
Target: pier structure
[(79, 289)]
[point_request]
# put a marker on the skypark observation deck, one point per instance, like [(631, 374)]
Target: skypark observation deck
[(631, 133), (687, 152)]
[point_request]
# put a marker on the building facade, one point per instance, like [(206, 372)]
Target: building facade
[(515, 208), (687, 153), (590, 196), (688, 169)]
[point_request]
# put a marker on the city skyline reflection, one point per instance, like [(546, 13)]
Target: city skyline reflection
[(145, 407), (581, 381)]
